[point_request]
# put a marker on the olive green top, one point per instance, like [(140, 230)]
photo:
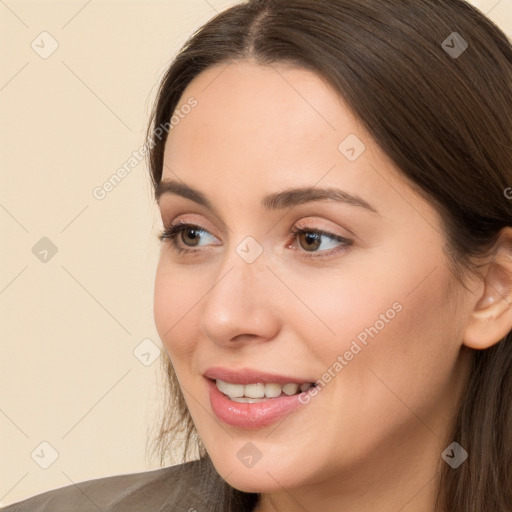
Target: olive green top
[(180, 487)]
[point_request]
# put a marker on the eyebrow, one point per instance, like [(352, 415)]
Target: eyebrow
[(286, 199)]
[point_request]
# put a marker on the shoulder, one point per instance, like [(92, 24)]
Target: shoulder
[(180, 486)]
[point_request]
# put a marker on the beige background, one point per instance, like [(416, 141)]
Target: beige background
[(70, 324)]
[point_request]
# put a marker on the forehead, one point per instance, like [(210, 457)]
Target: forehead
[(268, 116), (289, 85)]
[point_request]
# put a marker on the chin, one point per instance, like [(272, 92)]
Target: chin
[(264, 476), (260, 482)]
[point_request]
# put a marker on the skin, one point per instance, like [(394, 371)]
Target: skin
[(372, 438)]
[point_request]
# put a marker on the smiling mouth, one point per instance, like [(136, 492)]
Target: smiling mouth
[(259, 392)]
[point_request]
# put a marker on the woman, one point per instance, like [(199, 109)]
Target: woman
[(335, 277)]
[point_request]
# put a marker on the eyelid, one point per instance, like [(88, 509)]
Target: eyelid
[(305, 225)]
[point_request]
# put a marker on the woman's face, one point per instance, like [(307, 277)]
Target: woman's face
[(368, 316)]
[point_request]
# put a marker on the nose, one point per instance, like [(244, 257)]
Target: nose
[(241, 306)]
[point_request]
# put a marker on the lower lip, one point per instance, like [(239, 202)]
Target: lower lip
[(256, 415)]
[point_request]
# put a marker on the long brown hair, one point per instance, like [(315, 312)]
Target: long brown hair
[(444, 119)]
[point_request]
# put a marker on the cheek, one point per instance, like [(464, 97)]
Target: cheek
[(391, 301), (399, 347), (175, 296), (393, 321)]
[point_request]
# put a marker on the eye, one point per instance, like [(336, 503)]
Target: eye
[(316, 241), (184, 236)]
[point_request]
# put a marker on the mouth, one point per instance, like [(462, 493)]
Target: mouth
[(253, 405), (249, 398), (259, 392)]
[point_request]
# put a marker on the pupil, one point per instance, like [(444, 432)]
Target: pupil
[(312, 241), (192, 234)]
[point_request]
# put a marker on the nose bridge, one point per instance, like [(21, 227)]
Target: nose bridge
[(243, 270), (240, 299)]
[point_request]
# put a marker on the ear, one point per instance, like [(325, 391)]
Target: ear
[(491, 319)]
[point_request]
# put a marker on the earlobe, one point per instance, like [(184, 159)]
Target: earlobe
[(491, 319)]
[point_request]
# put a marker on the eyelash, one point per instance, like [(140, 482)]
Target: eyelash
[(176, 229)]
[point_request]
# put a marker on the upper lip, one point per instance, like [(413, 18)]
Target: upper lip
[(251, 376)]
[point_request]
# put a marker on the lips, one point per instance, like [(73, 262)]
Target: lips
[(252, 376), (252, 415)]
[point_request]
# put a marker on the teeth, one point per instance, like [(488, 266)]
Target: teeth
[(245, 400), (273, 390), (254, 390), (233, 390), (251, 393), (290, 389)]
